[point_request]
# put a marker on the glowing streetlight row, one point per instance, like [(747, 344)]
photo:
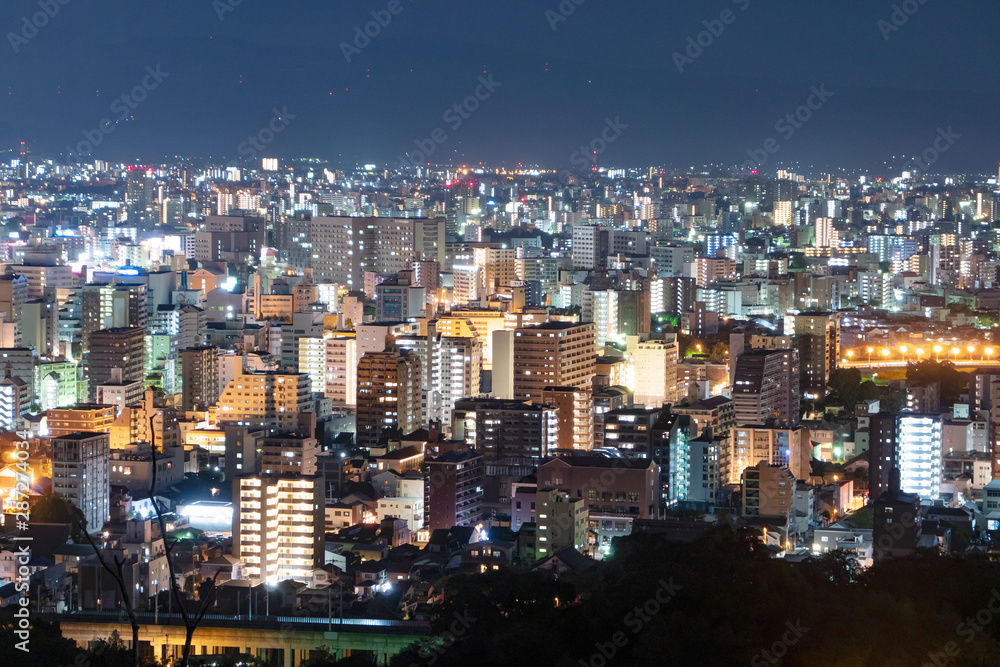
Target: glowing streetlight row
[(919, 352)]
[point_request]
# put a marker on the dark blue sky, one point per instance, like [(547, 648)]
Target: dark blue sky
[(608, 59)]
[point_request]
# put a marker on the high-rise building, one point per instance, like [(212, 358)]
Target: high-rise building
[(81, 470), (344, 248), (123, 348), (199, 377), (268, 399), (13, 295), (496, 267), (618, 314), (112, 307), (653, 365), (553, 354), (883, 439), (703, 464), (574, 410), (389, 394), (766, 388), (817, 337), (278, 526), (450, 371), (288, 454), (500, 429), (139, 197), (918, 454), (453, 491), (788, 447), (591, 246)]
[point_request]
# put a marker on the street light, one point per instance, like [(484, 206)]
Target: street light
[(989, 353)]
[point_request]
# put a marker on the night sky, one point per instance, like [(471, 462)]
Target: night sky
[(557, 87)]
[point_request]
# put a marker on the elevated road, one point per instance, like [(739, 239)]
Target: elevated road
[(285, 640)]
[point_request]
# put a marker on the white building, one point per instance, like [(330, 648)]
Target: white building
[(278, 530), (409, 509), (918, 455)]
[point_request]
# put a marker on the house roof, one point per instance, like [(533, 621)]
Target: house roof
[(569, 558)]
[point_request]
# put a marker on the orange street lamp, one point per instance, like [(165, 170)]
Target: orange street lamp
[(885, 352), (989, 353)]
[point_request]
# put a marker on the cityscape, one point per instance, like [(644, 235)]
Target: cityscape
[(700, 389)]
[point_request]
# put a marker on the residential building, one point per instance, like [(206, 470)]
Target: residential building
[(81, 470), (278, 526)]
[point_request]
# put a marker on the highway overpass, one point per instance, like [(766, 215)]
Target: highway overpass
[(280, 640)]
